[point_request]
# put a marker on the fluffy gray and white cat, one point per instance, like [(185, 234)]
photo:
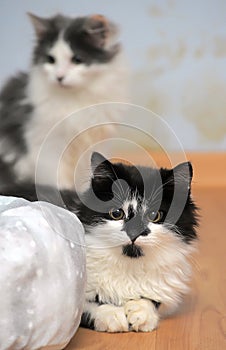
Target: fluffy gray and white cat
[(140, 229), (77, 63)]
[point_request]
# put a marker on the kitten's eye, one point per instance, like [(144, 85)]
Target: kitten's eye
[(116, 214), (155, 216), (77, 59), (50, 59)]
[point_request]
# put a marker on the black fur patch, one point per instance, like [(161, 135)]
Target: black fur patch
[(156, 303), (132, 251), (87, 321), (97, 300)]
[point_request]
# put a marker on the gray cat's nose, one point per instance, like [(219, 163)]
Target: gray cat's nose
[(60, 79)]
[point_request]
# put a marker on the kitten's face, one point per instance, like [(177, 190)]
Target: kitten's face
[(61, 67), (71, 51), (137, 209)]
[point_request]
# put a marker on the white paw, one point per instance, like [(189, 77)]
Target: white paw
[(141, 315), (110, 318)]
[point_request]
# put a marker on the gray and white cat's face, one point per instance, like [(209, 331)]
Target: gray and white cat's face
[(70, 52), (63, 67)]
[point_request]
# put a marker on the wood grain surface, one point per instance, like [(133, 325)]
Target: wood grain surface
[(201, 322)]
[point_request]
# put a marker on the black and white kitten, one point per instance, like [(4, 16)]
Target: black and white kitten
[(77, 63), (140, 232)]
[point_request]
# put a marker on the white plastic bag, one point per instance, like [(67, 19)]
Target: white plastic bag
[(42, 275)]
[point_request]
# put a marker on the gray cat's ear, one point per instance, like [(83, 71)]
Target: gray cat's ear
[(100, 30), (40, 24), (101, 167)]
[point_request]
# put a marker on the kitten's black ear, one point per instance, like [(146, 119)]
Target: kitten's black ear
[(101, 167), (182, 174), (40, 24)]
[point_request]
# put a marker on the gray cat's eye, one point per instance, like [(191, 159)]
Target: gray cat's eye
[(77, 59), (50, 59), (116, 214)]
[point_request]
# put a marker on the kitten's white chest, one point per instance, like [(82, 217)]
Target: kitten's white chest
[(117, 279)]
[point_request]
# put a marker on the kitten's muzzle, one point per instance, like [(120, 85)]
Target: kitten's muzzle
[(133, 235), (135, 227), (133, 250)]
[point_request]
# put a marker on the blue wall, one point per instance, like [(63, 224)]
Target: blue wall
[(176, 50)]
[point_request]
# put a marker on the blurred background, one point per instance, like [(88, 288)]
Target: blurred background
[(176, 50)]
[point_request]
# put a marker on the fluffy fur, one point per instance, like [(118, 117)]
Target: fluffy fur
[(140, 232), (77, 63)]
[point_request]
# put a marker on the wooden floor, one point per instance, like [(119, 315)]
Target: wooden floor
[(201, 323)]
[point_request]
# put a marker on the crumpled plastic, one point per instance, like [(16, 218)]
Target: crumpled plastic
[(42, 275)]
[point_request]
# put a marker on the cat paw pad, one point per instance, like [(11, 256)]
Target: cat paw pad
[(111, 318), (141, 315)]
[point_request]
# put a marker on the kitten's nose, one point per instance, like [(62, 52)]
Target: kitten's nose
[(133, 235), (60, 79), (145, 232)]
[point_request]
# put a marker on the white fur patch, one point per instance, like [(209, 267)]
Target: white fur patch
[(110, 318), (141, 315), (133, 203)]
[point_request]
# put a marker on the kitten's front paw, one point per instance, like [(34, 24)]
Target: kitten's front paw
[(110, 318), (141, 315)]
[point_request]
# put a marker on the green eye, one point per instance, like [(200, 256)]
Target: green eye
[(116, 214), (155, 216)]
